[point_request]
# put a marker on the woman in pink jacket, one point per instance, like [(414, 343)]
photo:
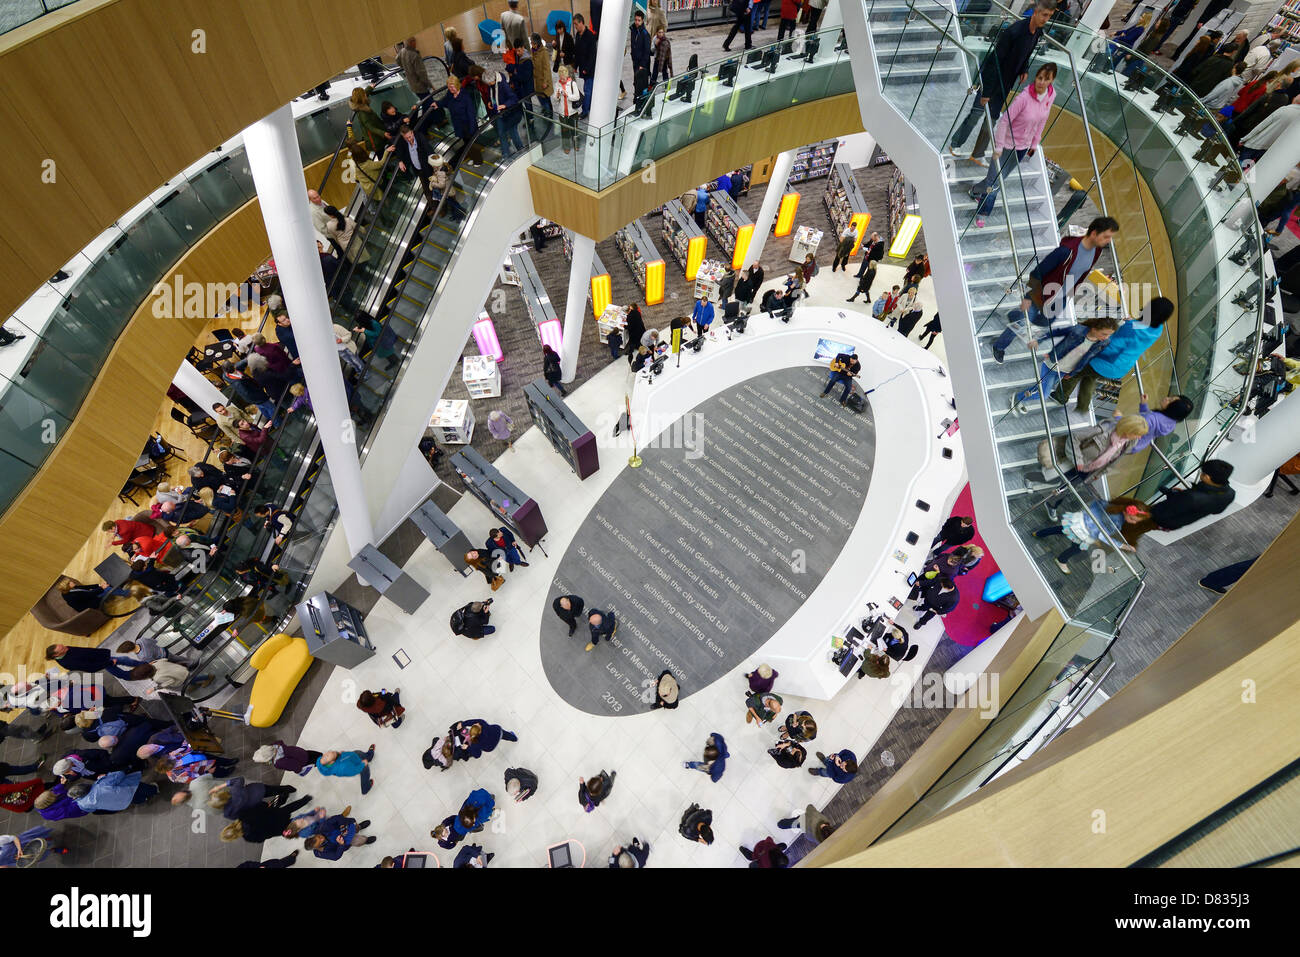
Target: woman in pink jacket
[(1016, 136)]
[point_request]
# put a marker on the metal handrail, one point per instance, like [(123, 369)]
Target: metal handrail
[(1079, 706)]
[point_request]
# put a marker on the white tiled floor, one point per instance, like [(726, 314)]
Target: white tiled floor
[(500, 678)]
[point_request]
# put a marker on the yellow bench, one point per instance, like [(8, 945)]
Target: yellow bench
[(281, 662)]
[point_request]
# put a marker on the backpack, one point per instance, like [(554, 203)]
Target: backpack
[(458, 621)]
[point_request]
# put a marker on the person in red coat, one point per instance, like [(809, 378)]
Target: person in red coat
[(789, 17), (766, 853), (128, 530)]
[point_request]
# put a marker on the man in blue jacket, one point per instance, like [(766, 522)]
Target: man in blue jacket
[(584, 52), (1121, 354), (841, 767), (603, 625), (1069, 349), (335, 835), (702, 315)]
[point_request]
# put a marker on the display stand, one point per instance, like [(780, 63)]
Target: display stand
[(445, 535), (684, 237), (482, 377), (536, 300), (709, 280), (813, 161), (601, 287), (729, 225), (845, 204), (500, 496), (614, 317), (806, 241), (509, 273), (334, 630), (562, 428), (381, 573), (641, 256), (696, 13), (453, 420)]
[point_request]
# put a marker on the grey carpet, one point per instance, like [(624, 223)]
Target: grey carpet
[(705, 551)]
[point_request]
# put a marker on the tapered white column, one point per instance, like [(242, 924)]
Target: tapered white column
[(198, 387), (1086, 41), (771, 204), (614, 22), (271, 145), (832, 16)]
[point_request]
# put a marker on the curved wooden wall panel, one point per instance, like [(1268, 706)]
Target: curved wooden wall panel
[(599, 215), (114, 94)]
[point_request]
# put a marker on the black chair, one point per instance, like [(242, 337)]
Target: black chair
[(225, 335), (204, 430), (168, 450)]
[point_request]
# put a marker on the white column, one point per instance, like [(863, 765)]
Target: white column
[(1084, 43), (575, 306), (1259, 451), (832, 16), (771, 204), (614, 20), (1278, 160), (198, 387), (271, 145)]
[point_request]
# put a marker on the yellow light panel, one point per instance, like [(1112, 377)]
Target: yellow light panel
[(602, 293), (743, 236), (654, 283), (785, 215), (695, 256), (906, 235)]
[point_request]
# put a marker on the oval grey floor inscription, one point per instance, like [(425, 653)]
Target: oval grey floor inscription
[(703, 553)]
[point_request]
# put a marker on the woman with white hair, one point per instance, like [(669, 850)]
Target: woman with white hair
[(630, 855), (287, 757)]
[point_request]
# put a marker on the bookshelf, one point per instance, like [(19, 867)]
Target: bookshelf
[(683, 13), (536, 300), (902, 203), (1287, 19), (643, 259), (685, 239), (845, 204), (813, 161), (729, 225)]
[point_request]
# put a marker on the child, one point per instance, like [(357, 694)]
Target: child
[(615, 343), (663, 53), (1093, 526)]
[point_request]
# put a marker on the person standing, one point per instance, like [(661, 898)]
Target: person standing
[(845, 367), (715, 758), (521, 784), (812, 822), (1095, 525), (931, 329), (938, 595), (762, 679), (595, 789), (584, 55), (570, 98), (502, 105), (662, 48), (335, 835), (503, 540), (806, 272), (384, 709), (957, 530), (702, 315), (741, 10), (551, 370), (602, 625), (1210, 496), (701, 205), (413, 157), (414, 72), (639, 43), (762, 707), (1069, 349), (630, 855), (789, 18), (347, 764), (1054, 281), (866, 276), (766, 853), (841, 767), (1001, 71), (844, 248), (788, 754), (473, 738), (514, 26), (568, 608), (480, 562), (543, 82), (474, 813), (815, 9), (500, 424), (287, 757), (696, 825)]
